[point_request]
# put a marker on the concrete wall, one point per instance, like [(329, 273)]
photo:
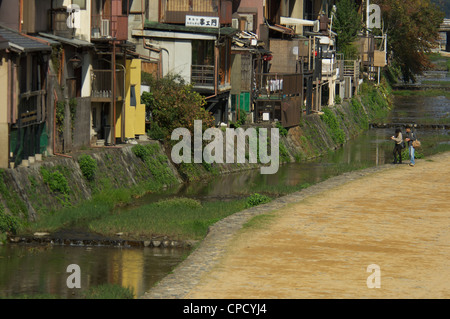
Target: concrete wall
[(176, 58), (82, 125), (4, 132)]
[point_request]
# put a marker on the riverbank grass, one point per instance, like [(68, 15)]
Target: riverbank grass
[(105, 291), (177, 218)]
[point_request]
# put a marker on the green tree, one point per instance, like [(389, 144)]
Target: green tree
[(412, 29), (173, 104), (347, 24)]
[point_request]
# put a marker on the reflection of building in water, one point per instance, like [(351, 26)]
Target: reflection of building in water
[(128, 269)]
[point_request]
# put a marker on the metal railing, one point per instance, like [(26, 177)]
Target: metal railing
[(102, 84)]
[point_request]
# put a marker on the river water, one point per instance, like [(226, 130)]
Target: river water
[(42, 269)]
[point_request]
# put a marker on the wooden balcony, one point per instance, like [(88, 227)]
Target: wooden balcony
[(202, 76), (175, 11), (278, 85)]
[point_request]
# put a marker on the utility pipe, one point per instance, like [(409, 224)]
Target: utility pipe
[(20, 15), (113, 138)]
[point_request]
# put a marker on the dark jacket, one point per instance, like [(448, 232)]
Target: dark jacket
[(412, 136)]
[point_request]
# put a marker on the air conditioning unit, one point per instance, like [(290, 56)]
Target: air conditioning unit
[(105, 28)]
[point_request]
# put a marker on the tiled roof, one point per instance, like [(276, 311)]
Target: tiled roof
[(20, 42), (73, 42)]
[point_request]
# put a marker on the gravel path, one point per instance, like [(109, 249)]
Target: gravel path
[(321, 240)]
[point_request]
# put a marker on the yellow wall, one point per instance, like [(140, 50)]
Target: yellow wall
[(134, 115), (4, 139)]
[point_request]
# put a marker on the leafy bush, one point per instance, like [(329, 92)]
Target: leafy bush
[(282, 130), (140, 151), (55, 180), (242, 119), (8, 223), (88, 166), (257, 199), (173, 104)]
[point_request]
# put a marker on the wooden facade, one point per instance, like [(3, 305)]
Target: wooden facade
[(175, 11)]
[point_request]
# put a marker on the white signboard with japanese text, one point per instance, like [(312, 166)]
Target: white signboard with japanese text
[(199, 21)]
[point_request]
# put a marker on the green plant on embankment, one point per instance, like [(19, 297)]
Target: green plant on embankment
[(18, 212), (88, 166), (257, 199), (332, 123), (54, 178), (8, 223), (376, 101), (156, 162)]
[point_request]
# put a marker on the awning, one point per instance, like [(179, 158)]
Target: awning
[(73, 42), (281, 29)]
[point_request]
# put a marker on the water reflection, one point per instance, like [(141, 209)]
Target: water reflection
[(42, 269)]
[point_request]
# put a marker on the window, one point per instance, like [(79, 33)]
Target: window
[(80, 3), (133, 95), (126, 6), (203, 52)]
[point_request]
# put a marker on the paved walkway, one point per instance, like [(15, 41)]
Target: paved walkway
[(319, 242)]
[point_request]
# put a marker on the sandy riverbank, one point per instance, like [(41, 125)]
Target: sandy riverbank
[(319, 242)]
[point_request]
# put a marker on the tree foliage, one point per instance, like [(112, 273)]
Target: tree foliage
[(412, 28), (347, 24), (174, 104), (444, 5)]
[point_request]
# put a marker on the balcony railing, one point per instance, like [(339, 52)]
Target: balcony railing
[(175, 11), (329, 67), (277, 85), (203, 76), (102, 88)]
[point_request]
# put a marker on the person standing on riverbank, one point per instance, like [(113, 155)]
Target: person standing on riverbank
[(398, 139), (410, 137)]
